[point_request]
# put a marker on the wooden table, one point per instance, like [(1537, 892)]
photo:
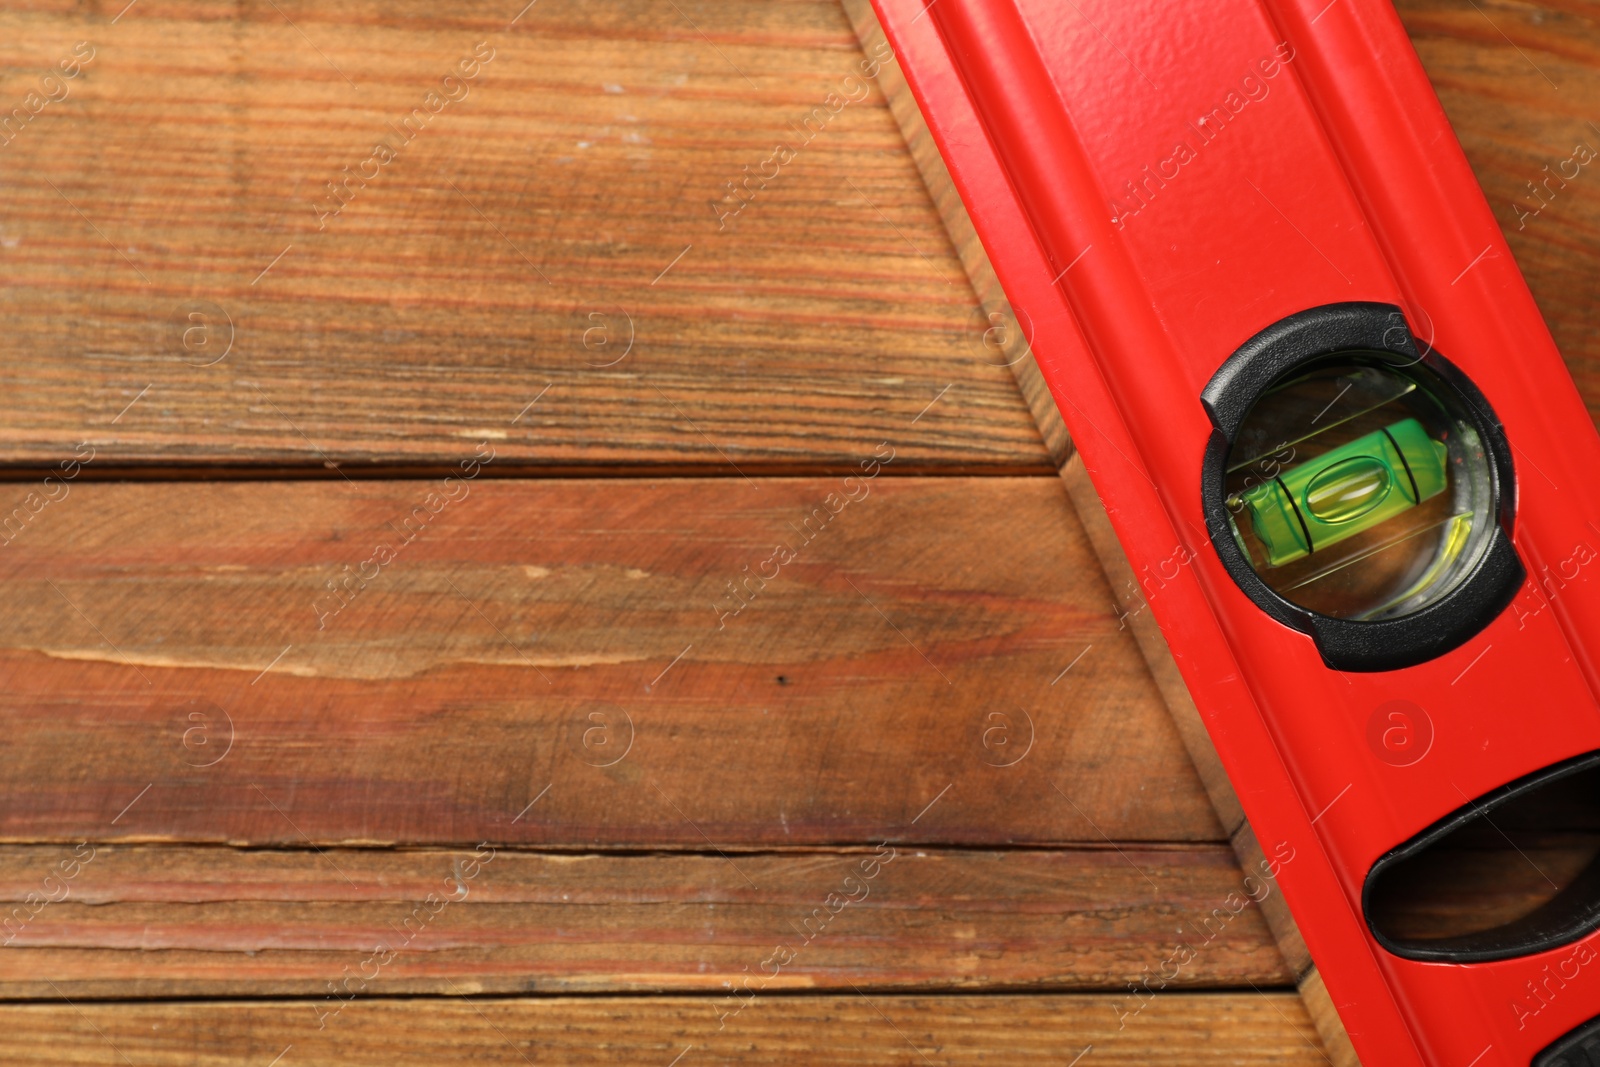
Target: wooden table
[(500, 608)]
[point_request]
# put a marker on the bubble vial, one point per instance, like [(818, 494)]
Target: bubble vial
[(1345, 491)]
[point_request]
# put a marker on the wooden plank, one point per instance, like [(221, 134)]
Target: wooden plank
[(1520, 82), (1245, 1029), (168, 921), (940, 662), (554, 233)]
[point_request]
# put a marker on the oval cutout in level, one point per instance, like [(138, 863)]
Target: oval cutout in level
[(1515, 872)]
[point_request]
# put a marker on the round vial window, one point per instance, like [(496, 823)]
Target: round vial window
[(1359, 489)]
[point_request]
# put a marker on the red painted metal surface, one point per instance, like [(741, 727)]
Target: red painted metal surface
[(1157, 182)]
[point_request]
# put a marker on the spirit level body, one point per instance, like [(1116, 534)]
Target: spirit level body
[(1156, 184)]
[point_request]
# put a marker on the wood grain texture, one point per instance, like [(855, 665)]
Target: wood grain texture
[(1520, 82), (1243, 1029), (166, 921), (944, 642), (520, 242)]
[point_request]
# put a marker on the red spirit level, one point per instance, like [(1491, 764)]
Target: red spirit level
[(1316, 397)]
